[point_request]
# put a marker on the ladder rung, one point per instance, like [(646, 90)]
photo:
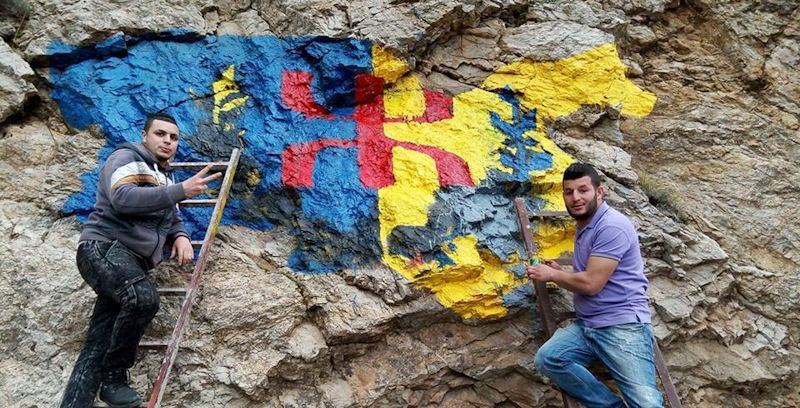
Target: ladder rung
[(172, 291), (101, 404), (565, 316), (210, 202), (153, 344), (197, 243), (192, 165), (565, 261), (550, 214)]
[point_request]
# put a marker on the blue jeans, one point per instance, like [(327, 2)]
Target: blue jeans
[(126, 303), (625, 349)]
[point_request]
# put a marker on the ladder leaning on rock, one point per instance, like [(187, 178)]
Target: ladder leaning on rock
[(190, 292), (551, 319)]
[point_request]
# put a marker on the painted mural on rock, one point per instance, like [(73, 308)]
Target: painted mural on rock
[(344, 147)]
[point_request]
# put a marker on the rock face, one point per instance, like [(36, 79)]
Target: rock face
[(14, 86), (707, 172)]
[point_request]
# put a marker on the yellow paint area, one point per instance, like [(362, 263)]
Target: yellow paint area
[(404, 98), (475, 279), (473, 287), (227, 96), (386, 65), (554, 239), (475, 284), (469, 134), (558, 88), (547, 183), (253, 177), (407, 201), (223, 88)]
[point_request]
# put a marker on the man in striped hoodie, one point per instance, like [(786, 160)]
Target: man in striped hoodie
[(135, 216)]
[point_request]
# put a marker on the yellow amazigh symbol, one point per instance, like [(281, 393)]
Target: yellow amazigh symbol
[(226, 92), (475, 283)]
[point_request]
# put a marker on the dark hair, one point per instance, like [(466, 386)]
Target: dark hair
[(158, 116), (578, 170)]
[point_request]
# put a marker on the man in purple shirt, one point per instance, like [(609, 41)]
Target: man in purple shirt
[(610, 298)]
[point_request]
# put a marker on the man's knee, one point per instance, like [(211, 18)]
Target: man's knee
[(644, 396), (545, 358), (142, 298), (539, 361)]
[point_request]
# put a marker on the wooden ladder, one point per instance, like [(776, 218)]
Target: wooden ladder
[(189, 292), (550, 319)]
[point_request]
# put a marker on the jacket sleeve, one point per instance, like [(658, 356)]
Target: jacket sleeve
[(123, 175), (177, 230)]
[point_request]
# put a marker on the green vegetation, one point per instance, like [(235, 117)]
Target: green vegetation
[(663, 198), (17, 10)]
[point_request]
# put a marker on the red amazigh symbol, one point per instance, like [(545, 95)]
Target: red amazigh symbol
[(374, 148)]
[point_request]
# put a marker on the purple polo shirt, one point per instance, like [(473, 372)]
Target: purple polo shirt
[(610, 234)]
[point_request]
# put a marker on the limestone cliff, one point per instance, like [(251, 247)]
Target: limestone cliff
[(369, 252)]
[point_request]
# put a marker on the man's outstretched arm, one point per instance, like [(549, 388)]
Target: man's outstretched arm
[(588, 282)]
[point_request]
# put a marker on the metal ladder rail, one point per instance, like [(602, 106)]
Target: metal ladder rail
[(546, 315), (205, 246)]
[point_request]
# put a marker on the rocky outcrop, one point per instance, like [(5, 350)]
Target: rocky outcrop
[(15, 88), (709, 179)]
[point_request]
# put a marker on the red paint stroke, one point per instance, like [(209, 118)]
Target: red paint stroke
[(301, 156), (374, 148), (296, 95), (438, 106), (416, 261)]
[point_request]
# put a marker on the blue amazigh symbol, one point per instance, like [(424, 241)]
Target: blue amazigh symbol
[(518, 153)]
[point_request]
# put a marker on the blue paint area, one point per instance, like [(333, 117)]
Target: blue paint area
[(61, 55), (77, 203), (518, 270), (336, 83), (115, 83), (196, 221), (113, 45), (485, 212), (338, 200), (443, 259), (322, 249), (300, 261), (176, 77), (518, 154), (521, 297)]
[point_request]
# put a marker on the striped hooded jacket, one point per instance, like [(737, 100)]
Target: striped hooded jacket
[(136, 204)]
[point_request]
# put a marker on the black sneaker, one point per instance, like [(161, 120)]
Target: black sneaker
[(115, 391)]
